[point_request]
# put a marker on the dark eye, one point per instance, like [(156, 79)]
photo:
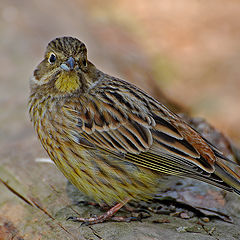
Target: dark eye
[(52, 58)]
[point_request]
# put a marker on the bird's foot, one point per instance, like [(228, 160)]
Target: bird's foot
[(101, 219), (104, 217)]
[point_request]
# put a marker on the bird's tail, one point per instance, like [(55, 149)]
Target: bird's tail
[(229, 177)]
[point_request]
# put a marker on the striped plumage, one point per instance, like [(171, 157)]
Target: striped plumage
[(108, 137)]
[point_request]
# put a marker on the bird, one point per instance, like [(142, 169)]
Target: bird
[(111, 139)]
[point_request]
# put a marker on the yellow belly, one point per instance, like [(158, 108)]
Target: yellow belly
[(102, 177)]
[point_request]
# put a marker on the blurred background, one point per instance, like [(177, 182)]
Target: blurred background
[(188, 50)]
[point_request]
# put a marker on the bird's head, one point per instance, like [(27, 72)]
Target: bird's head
[(64, 69)]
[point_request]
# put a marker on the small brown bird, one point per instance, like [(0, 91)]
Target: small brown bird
[(111, 139)]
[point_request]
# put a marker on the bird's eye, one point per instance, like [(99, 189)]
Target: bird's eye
[(52, 58)]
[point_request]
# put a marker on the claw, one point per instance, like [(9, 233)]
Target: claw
[(74, 219)]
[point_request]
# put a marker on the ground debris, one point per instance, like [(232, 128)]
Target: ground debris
[(186, 200), (193, 229), (8, 230), (163, 220)]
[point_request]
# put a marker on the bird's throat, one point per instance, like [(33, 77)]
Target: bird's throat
[(67, 82)]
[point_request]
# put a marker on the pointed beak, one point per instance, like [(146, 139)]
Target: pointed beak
[(68, 65)]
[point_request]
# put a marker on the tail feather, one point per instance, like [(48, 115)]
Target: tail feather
[(228, 176), (231, 178)]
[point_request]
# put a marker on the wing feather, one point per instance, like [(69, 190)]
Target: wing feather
[(109, 121)]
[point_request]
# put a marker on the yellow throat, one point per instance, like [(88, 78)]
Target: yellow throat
[(67, 82)]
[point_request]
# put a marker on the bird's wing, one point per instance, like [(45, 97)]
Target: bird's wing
[(146, 132), (105, 125), (125, 122)]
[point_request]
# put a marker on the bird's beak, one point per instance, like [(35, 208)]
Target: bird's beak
[(68, 65)]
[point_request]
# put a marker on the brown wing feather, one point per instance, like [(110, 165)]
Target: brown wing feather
[(146, 133), (105, 126), (125, 126)]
